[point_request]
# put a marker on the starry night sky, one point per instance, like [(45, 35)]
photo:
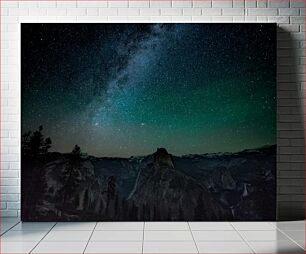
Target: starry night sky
[(123, 90)]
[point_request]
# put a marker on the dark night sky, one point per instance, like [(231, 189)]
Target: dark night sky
[(126, 89)]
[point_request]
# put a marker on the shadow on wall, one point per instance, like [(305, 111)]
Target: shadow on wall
[(290, 127)]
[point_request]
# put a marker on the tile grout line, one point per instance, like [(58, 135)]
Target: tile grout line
[(42, 238), (90, 237), (14, 225), (143, 232), (290, 238), (274, 226), (246, 242), (193, 237)]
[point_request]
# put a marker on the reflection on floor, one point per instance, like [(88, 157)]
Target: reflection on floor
[(152, 237)]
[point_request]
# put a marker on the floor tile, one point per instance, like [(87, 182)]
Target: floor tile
[(253, 226), (63, 226), (17, 247), (33, 226), (223, 247), (297, 236), (5, 226), (101, 236), (291, 225), (60, 247), (23, 236), (168, 236), (276, 247), (216, 236), (274, 235), (169, 247), (69, 236), (114, 247), (166, 226), (120, 226), (226, 226)]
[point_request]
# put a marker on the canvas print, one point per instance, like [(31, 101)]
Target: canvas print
[(155, 122)]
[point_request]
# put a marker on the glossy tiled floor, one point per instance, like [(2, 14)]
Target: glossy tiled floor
[(152, 237)]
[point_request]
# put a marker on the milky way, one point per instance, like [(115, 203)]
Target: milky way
[(125, 89)]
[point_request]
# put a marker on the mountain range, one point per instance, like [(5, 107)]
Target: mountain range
[(156, 187)]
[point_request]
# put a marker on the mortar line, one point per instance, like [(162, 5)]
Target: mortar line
[(90, 236), (43, 238)]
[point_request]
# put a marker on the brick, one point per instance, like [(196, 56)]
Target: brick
[(297, 142), (288, 28), (291, 134), (211, 11), (192, 11), (9, 181), (291, 182), (278, 3), (160, 4), (14, 165), (92, 11), (181, 3), (181, 19), (13, 205), (38, 11), (291, 150), (172, 11), (262, 3), (47, 4), (4, 11), (128, 12), (202, 3), (233, 11), (76, 12), (66, 4), (91, 18), (9, 173), (92, 4), (238, 3), (2, 205), (297, 3), (291, 190), (9, 157), (139, 4), (238, 19), (161, 19), (10, 189), (18, 12), (262, 19), (118, 4), (291, 198), (291, 174), (150, 12), (262, 12), (279, 19), (289, 11), (250, 3), (4, 165), (222, 19), (108, 12), (9, 197), (201, 18), (222, 3), (57, 12), (9, 4), (9, 213), (297, 20)]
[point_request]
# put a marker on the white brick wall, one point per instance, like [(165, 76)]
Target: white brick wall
[(289, 14)]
